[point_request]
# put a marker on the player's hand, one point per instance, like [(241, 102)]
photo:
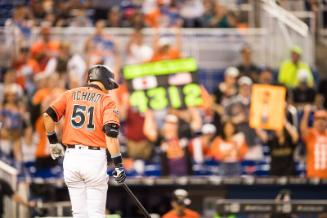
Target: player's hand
[(119, 174), (56, 150)]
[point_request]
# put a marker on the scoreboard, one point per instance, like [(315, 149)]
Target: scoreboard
[(162, 84)]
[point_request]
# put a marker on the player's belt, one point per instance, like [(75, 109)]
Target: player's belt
[(83, 147)]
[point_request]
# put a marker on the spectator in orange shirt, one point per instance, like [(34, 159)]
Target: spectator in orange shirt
[(162, 14), (175, 159), (25, 68), (229, 150), (41, 100), (45, 47), (164, 48), (316, 142), (179, 204)]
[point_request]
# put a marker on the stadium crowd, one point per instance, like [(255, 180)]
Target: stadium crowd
[(127, 13), (217, 131)]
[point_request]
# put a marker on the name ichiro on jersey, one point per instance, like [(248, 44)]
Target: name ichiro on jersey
[(86, 96)]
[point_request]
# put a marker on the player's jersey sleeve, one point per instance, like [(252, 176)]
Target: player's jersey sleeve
[(110, 111), (59, 106)]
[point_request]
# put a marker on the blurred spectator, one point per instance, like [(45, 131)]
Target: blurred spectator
[(222, 94), (137, 51), (9, 78), (282, 144), (70, 67), (200, 146), (266, 76), (219, 18), (180, 201), (63, 13), (237, 110), (25, 68), (292, 113), (247, 67), (136, 20), (191, 12), (315, 139), (76, 67), (290, 69), (164, 49), (41, 100), (80, 18), (175, 158), (209, 10), (11, 118), (45, 48), (28, 144), (138, 146), (237, 107), (114, 18), (233, 21), (322, 94), (21, 25), (303, 93), (101, 48), (189, 121), (42, 9), (101, 7), (229, 149), (40, 81), (228, 88), (161, 14)]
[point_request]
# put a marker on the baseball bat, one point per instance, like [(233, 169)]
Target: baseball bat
[(138, 203)]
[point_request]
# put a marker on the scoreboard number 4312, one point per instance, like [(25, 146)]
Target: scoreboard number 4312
[(160, 98), (162, 84)]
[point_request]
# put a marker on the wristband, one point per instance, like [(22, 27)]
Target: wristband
[(118, 160), (52, 137)]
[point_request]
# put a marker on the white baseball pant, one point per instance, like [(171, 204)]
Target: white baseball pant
[(85, 174)]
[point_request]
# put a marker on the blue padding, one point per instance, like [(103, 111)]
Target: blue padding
[(210, 78)]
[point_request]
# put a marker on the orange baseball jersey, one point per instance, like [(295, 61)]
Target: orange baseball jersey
[(188, 213), (316, 144), (227, 151), (86, 110)]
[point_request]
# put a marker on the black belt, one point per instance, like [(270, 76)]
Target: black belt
[(88, 147)]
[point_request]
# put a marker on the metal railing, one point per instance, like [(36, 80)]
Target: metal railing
[(213, 48), (285, 30), (9, 174)]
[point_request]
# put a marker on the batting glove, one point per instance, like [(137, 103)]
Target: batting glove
[(56, 149), (119, 174), (119, 171)]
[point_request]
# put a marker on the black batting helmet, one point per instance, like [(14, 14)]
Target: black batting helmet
[(102, 74)]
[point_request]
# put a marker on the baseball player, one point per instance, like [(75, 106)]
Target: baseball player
[(91, 124)]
